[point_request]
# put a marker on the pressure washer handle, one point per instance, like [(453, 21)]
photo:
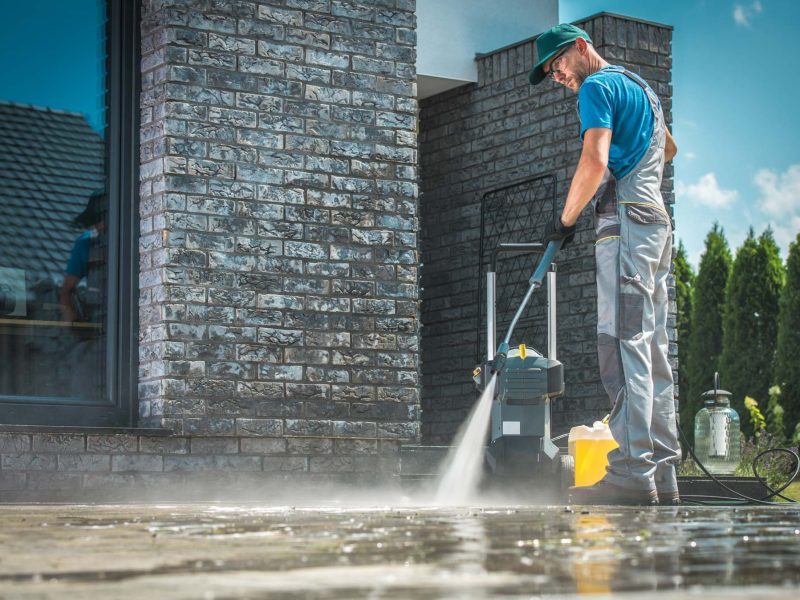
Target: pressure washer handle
[(535, 282), (544, 264)]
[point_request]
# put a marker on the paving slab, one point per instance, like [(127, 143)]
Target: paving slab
[(403, 551)]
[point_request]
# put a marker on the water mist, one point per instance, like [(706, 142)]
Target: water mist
[(464, 463)]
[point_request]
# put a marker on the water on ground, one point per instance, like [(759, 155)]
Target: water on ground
[(249, 551)]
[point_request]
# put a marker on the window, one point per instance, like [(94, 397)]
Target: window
[(67, 191)]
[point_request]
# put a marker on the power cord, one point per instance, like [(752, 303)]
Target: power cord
[(738, 498)]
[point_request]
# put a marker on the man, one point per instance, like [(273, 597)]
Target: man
[(87, 252), (623, 132), (82, 306)]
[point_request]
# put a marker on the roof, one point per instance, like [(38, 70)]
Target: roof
[(579, 22), (50, 163)]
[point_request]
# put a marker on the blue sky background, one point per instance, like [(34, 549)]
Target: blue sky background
[(735, 97), (735, 112), (51, 54)]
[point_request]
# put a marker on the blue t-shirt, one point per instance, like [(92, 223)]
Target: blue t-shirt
[(78, 263), (611, 100)]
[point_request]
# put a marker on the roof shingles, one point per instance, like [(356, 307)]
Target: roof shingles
[(50, 163)]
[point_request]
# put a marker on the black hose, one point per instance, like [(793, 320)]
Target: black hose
[(739, 498)]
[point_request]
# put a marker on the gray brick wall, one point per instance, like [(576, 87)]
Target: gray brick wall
[(481, 137), (278, 247), (47, 465)]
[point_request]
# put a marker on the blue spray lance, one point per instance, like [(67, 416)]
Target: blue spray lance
[(535, 281)]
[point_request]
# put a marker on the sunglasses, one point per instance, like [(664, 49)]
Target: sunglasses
[(551, 73)]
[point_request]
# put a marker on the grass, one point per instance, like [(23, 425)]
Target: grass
[(793, 491)]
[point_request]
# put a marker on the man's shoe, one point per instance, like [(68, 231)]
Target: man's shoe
[(672, 498), (605, 493)]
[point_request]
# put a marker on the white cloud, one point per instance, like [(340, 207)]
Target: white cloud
[(780, 201), (689, 155), (706, 192), (743, 14)]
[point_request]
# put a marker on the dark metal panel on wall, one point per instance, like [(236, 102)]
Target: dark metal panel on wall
[(515, 213)]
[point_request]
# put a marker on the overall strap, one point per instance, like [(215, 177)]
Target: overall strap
[(651, 95)]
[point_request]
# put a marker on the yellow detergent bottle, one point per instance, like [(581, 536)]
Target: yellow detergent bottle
[(589, 447)]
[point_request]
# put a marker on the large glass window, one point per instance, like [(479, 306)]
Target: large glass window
[(61, 212)]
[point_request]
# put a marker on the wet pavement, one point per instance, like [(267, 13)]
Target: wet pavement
[(250, 551)]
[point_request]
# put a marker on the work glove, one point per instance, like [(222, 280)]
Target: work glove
[(556, 230)]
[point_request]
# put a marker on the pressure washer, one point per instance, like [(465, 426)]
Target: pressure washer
[(521, 450)]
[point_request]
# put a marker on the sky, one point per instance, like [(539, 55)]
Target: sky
[(735, 96), (735, 105), (51, 54)]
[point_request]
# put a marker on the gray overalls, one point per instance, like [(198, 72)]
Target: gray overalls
[(633, 252)]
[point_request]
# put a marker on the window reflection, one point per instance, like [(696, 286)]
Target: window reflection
[(53, 208)]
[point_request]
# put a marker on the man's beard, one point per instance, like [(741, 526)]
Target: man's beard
[(580, 74)]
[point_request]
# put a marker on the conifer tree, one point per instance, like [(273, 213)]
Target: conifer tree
[(705, 336), (684, 285), (787, 362), (775, 415), (749, 322)]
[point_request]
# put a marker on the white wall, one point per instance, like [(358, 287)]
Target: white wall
[(451, 32)]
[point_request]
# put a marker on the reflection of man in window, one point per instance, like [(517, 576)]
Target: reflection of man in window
[(86, 253), (83, 304)]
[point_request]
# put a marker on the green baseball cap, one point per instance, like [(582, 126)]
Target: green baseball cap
[(549, 42)]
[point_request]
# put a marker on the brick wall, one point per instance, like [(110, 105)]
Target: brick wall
[(37, 464), (278, 247), (481, 137)]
